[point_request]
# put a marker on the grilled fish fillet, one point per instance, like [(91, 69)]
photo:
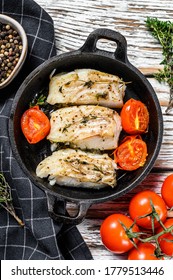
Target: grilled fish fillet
[(78, 168), (86, 127), (87, 86)]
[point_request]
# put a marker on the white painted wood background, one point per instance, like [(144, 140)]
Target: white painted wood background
[(73, 21)]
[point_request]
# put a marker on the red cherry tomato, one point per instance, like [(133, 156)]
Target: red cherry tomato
[(131, 153), (134, 117), (35, 125), (166, 239), (167, 191), (113, 234), (140, 205), (144, 251)]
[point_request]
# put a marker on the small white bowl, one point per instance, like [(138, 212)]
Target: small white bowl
[(16, 26)]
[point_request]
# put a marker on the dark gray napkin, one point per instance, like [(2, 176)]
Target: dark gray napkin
[(41, 237)]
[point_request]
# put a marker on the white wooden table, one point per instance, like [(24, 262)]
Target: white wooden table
[(73, 21)]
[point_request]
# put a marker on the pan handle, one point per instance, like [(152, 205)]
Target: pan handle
[(103, 33), (57, 210)]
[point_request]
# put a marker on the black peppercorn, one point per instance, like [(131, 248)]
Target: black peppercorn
[(10, 50)]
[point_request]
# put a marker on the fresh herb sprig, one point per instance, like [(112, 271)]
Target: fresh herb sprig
[(40, 100), (163, 32), (6, 198)]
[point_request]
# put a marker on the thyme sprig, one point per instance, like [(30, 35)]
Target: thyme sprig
[(6, 198), (40, 100), (163, 32)]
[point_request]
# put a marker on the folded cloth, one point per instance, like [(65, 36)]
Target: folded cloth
[(41, 237)]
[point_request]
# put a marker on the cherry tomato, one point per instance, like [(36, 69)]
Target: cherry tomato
[(131, 153), (113, 234), (166, 239), (140, 205), (35, 125), (134, 117), (144, 251), (167, 191)]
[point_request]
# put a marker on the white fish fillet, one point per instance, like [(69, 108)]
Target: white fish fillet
[(78, 168), (87, 86), (86, 127)]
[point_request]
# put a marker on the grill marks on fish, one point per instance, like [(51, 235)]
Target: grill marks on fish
[(70, 167), (86, 86), (86, 127)]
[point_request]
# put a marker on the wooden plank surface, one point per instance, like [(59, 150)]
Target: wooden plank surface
[(73, 21)]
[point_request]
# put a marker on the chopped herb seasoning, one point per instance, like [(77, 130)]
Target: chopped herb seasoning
[(88, 118), (65, 128), (101, 95), (88, 84)]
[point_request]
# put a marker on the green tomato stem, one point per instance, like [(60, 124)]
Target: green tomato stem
[(156, 236)]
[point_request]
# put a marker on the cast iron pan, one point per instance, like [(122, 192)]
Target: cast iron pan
[(88, 56)]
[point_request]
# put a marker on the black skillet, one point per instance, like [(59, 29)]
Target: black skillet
[(88, 56)]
